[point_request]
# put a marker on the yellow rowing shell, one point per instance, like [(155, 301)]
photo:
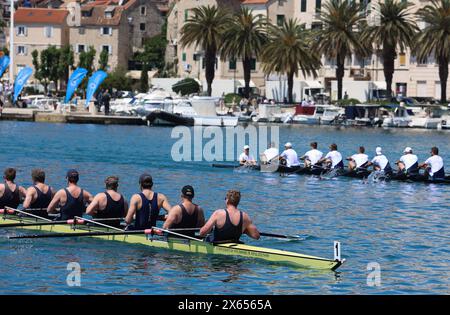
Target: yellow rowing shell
[(187, 245)]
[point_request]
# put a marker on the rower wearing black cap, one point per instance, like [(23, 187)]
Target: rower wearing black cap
[(144, 207), (186, 215), (71, 200), (108, 204)]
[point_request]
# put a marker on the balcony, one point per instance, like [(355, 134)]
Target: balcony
[(360, 74)]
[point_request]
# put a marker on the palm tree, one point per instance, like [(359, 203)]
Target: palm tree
[(289, 51), (396, 29), (245, 39), (435, 38), (339, 36), (205, 29)]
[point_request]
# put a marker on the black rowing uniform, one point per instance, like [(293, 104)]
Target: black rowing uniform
[(188, 221), (113, 209), (10, 198), (228, 232), (147, 215), (42, 201), (73, 207)]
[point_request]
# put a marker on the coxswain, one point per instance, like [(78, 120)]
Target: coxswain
[(333, 159), (246, 158), (39, 195), (108, 204), (408, 163), (145, 206), (289, 156), (10, 193), (71, 200), (358, 160), (380, 162), (434, 165), (230, 223), (313, 156), (187, 216)]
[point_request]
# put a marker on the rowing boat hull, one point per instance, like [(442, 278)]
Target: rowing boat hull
[(198, 247)]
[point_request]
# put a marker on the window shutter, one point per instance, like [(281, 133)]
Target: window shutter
[(25, 48), (101, 30), (110, 31), (110, 49), (26, 30)]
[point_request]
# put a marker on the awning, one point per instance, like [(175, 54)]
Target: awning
[(314, 84), (136, 74), (242, 83), (379, 85)]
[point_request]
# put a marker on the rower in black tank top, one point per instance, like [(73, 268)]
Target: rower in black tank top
[(42, 201), (73, 207), (113, 209), (229, 231), (188, 221), (10, 198)]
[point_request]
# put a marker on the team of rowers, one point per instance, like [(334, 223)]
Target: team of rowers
[(142, 212), (408, 163)]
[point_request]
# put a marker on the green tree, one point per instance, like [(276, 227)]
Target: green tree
[(205, 29), (289, 51), (143, 81), (117, 79), (46, 65), (339, 37), (245, 38), (103, 60), (435, 39), (66, 62), (86, 61), (395, 30), (186, 86)]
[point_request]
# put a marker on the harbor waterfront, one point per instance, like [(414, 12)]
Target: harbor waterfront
[(399, 229)]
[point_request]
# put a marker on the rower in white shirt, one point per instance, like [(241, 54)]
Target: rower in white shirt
[(333, 159), (271, 153), (358, 160), (434, 165), (408, 163), (289, 156), (380, 162), (246, 158), (313, 156)]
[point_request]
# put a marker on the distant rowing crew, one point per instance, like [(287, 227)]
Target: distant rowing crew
[(142, 213), (408, 164)]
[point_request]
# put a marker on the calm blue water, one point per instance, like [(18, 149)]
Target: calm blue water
[(401, 226)]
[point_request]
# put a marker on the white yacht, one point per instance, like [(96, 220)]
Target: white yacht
[(316, 115)]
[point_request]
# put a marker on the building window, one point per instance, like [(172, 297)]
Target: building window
[(21, 50), (316, 26), (107, 48), (281, 3), (280, 19), (318, 6), (48, 31), (142, 26), (183, 57), (21, 31), (253, 64), (402, 59), (232, 64), (81, 31), (81, 48), (106, 31), (303, 6), (143, 10)]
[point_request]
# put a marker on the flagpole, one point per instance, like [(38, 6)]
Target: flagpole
[(11, 42)]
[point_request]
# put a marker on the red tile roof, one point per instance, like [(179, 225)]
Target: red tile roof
[(38, 15)]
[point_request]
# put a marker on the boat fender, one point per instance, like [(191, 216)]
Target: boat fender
[(8, 211), (74, 221)]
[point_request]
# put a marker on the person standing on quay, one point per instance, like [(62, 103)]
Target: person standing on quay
[(106, 98)]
